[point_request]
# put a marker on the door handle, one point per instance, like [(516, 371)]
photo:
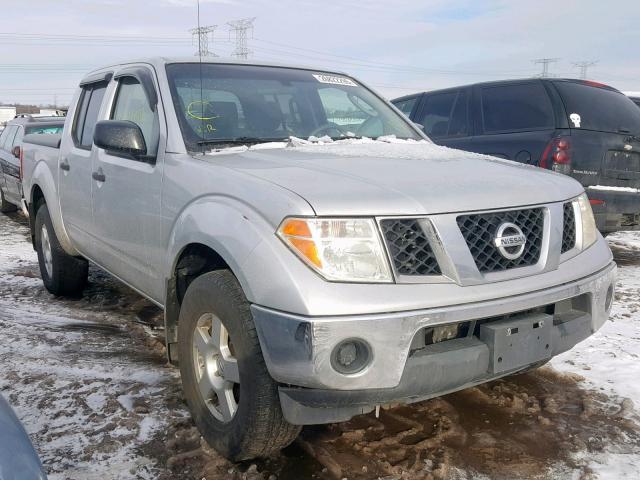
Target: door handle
[(64, 165), (98, 176)]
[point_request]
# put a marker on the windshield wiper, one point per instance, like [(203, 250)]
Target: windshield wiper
[(240, 141)]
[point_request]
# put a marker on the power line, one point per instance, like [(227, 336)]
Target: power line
[(241, 28), (545, 65), (584, 66)]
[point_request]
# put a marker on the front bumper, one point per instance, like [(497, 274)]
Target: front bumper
[(298, 349)]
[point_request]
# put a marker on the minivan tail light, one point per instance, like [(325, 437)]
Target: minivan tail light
[(557, 155)]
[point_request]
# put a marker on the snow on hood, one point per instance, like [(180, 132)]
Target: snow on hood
[(389, 176)]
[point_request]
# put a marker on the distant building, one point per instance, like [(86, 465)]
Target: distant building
[(6, 114), (51, 112)]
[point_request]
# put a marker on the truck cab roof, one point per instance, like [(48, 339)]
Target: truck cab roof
[(161, 62)]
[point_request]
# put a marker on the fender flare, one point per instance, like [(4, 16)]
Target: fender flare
[(43, 179), (231, 228)]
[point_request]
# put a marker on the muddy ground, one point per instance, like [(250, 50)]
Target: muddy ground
[(88, 378)]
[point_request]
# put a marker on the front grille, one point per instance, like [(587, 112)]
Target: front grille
[(568, 228), (479, 231), (409, 248)]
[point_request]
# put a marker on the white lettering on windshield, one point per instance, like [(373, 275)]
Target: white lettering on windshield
[(335, 80)]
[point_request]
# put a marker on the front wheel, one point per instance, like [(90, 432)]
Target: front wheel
[(62, 274), (233, 399)]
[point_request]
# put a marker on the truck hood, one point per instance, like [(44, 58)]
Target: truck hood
[(405, 178)]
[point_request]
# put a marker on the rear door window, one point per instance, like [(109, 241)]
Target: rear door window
[(444, 115), (590, 107), (516, 108), (87, 114)]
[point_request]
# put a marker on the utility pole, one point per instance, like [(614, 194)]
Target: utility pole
[(584, 66), (545, 65), (241, 28), (201, 39)]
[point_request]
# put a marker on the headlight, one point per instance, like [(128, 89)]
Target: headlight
[(589, 230), (340, 249)]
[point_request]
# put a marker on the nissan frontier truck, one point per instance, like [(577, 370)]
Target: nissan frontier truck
[(315, 254)]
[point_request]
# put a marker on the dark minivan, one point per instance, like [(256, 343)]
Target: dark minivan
[(584, 129), (11, 154)]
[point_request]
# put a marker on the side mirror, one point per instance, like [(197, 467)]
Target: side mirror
[(120, 137), (16, 151), (419, 125)]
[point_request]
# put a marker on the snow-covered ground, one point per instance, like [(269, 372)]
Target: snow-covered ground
[(610, 360), (89, 380)]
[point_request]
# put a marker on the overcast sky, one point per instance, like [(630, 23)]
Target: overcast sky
[(397, 46)]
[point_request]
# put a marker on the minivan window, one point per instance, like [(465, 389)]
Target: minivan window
[(445, 114), (406, 106), (599, 108), (516, 107), (131, 104)]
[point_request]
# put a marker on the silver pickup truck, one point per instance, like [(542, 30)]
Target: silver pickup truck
[(315, 254)]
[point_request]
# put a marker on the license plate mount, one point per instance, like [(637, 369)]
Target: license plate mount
[(518, 341)]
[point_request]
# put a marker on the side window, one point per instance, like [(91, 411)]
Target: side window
[(459, 117), (406, 106), (81, 113), (131, 104), (17, 140), (4, 137), (86, 115), (519, 107), (90, 120), (437, 113)]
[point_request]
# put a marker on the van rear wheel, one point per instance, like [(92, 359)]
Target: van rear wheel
[(62, 274), (233, 399)]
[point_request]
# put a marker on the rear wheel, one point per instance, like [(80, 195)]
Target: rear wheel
[(233, 399), (6, 207), (62, 274)]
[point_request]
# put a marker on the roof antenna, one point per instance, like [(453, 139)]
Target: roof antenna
[(201, 96)]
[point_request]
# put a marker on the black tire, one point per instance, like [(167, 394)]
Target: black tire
[(67, 275), (258, 427), (6, 207)]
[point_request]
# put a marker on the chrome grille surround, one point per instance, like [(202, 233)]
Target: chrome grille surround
[(479, 231)]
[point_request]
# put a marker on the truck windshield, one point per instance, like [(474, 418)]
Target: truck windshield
[(253, 104)]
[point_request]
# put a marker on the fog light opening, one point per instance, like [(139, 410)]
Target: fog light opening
[(350, 356), (609, 298)]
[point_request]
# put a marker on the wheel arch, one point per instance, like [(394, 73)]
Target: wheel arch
[(212, 233), (43, 189)]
